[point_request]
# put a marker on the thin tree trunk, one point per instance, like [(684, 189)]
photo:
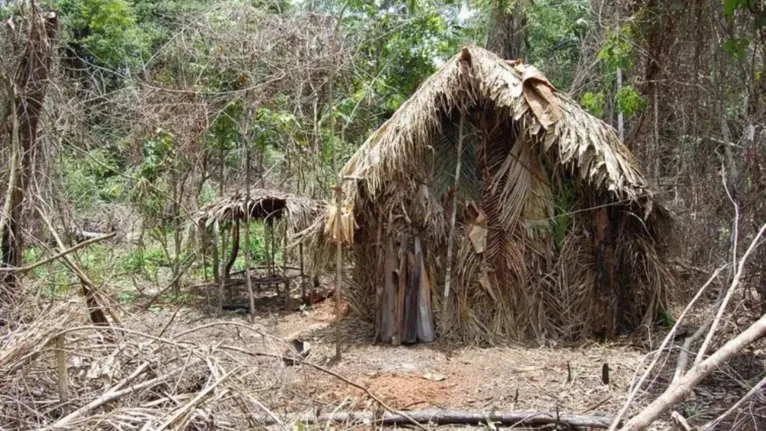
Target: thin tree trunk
[(31, 83), (338, 271), (232, 258), (620, 115), (222, 276), (248, 220), (453, 215)]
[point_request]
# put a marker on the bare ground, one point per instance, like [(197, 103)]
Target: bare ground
[(565, 379)]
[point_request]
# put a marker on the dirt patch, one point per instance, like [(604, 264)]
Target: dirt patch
[(565, 379)]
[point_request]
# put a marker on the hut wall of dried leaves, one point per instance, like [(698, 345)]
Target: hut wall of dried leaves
[(557, 234)]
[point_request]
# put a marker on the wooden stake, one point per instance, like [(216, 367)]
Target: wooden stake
[(400, 288), (61, 368), (222, 266), (248, 214), (338, 270), (450, 236), (284, 265), (303, 275), (248, 281)]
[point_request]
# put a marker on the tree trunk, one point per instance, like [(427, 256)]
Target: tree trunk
[(31, 82), (507, 36)]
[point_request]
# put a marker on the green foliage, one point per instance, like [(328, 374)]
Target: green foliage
[(158, 156), (555, 32), (731, 6), (57, 279), (629, 101), (617, 50), (691, 411), (91, 180), (107, 30), (127, 296), (736, 47), (257, 244), (667, 320), (160, 160), (594, 102), (145, 259)]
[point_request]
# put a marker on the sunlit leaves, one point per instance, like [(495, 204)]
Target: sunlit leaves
[(629, 101), (731, 6), (617, 50), (594, 102)]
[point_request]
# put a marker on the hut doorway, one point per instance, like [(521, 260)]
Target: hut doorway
[(403, 304)]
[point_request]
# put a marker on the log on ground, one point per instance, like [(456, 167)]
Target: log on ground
[(454, 417)]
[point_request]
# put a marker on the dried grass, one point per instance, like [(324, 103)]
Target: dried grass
[(140, 381)]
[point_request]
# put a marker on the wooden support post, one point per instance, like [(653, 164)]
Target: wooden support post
[(248, 280), (426, 331), (272, 256), (232, 259), (61, 368), (303, 275), (284, 265), (387, 314), (400, 289), (222, 266), (605, 295), (338, 269), (453, 215)]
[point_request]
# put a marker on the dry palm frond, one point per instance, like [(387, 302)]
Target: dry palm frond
[(584, 143), (262, 204)]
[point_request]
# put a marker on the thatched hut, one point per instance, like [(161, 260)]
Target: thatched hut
[(554, 231), (243, 206), (261, 204)]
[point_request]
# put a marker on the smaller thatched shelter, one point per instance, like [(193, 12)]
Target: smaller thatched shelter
[(492, 183), (261, 204), (241, 206)]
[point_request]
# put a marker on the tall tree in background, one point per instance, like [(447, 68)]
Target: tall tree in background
[(507, 31), (32, 43)]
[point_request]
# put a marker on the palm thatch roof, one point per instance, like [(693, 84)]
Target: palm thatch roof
[(586, 144), (261, 204), (538, 175)]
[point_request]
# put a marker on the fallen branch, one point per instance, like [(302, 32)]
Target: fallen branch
[(107, 397), (683, 357), (59, 255), (193, 403), (665, 342), (678, 390), (453, 417), (729, 293), (95, 309), (714, 423)]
